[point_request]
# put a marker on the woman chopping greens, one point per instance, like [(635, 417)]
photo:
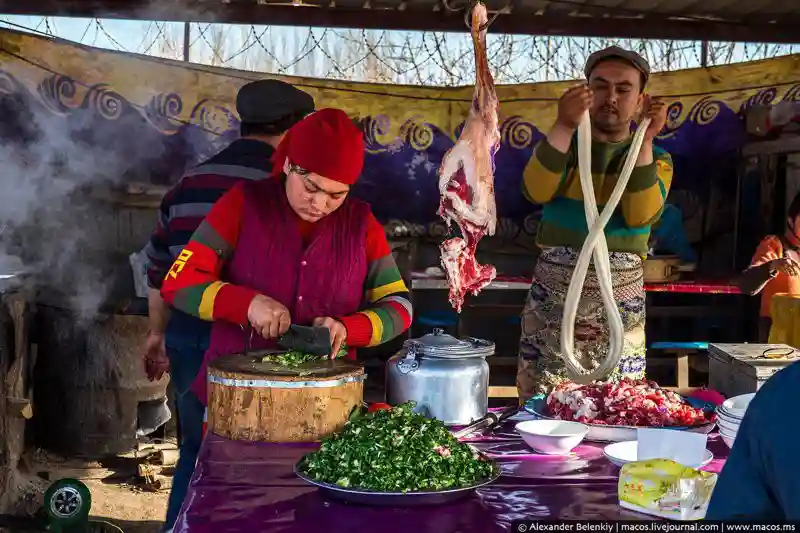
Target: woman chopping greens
[(294, 249)]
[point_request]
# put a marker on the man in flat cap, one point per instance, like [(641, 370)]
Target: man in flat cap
[(177, 341), (614, 94)]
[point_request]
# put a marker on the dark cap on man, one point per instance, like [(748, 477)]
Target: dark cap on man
[(615, 52), (269, 101)]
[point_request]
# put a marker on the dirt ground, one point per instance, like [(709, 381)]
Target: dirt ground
[(132, 509), (119, 495)]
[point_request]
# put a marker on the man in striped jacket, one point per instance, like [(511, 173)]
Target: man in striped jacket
[(177, 341)]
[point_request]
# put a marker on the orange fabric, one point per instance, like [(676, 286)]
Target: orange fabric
[(769, 249)]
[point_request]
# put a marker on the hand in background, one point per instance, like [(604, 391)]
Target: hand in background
[(156, 362)]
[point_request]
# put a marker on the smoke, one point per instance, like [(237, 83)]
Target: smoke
[(49, 165), (53, 156)]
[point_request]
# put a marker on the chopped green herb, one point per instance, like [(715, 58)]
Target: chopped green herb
[(395, 450), (295, 358)]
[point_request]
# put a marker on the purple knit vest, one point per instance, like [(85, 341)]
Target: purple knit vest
[(325, 278)]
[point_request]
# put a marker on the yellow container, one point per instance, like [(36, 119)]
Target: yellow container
[(664, 488)]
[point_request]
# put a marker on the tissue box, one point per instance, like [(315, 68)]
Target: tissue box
[(666, 489)]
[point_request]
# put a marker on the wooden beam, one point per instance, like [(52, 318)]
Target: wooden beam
[(787, 30), (788, 145), (503, 392)]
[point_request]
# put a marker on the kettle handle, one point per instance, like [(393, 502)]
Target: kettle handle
[(409, 363)]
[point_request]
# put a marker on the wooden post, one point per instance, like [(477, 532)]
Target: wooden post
[(683, 370), (187, 41), (16, 407)]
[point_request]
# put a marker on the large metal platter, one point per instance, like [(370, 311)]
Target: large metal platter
[(537, 406), (252, 364), (397, 499)]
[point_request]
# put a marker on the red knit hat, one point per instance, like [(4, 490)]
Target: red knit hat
[(326, 143)]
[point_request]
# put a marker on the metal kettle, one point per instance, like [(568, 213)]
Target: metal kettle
[(447, 378)]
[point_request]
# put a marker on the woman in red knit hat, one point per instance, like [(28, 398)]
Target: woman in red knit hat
[(295, 249)]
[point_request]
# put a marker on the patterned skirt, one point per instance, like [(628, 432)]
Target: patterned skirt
[(540, 365)]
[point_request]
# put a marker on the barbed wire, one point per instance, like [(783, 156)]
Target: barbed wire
[(416, 58)]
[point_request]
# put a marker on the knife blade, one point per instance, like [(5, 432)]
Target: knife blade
[(307, 339)]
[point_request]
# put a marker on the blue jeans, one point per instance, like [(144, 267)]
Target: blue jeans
[(185, 350)]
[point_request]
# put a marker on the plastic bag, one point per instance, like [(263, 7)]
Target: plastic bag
[(666, 489)]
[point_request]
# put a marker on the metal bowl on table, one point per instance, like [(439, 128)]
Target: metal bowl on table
[(405, 499), (537, 406)]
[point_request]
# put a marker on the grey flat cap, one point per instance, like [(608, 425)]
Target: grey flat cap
[(267, 101), (615, 52)]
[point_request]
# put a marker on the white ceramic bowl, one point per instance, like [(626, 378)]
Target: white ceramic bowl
[(552, 437), (622, 453), (723, 415), (728, 440), (727, 426), (737, 405), (727, 435)]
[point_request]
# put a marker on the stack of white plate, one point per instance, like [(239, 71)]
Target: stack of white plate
[(729, 416)]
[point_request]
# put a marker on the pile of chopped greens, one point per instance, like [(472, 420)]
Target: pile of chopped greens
[(295, 358), (395, 450)]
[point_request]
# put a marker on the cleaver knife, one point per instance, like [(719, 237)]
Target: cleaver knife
[(307, 339)]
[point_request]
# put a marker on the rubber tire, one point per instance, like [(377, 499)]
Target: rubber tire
[(77, 495), (101, 526)]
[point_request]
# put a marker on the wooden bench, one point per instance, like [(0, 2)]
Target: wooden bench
[(683, 353), (503, 391)]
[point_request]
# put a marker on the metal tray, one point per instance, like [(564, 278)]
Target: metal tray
[(398, 499), (537, 406)]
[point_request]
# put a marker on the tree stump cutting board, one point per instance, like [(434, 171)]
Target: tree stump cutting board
[(255, 401)]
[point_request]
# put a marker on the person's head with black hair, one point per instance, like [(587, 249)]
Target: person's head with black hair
[(269, 108), (617, 78)]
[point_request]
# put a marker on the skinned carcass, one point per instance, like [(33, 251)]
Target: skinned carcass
[(466, 179)]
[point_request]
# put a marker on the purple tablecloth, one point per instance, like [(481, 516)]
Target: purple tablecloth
[(251, 487)]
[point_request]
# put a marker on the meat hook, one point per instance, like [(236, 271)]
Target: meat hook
[(483, 27), (468, 12)]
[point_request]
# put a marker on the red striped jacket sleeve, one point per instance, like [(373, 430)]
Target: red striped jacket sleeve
[(194, 283), (389, 312)]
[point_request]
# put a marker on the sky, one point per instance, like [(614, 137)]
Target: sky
[(320, 52)]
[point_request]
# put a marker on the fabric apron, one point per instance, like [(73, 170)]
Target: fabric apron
[(540, 365)]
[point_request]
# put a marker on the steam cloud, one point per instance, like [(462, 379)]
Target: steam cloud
[(48, 164)]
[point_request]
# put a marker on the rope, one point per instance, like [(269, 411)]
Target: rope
[(596, 243)]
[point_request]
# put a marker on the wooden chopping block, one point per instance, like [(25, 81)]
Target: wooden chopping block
[(255, 401)]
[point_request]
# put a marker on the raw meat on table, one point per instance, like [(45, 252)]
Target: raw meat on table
[(466, 180), (626, 403)]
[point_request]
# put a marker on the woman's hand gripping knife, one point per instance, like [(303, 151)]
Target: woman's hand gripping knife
[(269, 318), (338, 333)]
